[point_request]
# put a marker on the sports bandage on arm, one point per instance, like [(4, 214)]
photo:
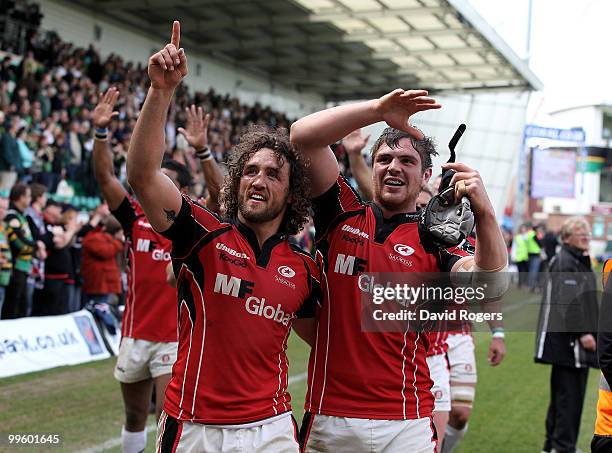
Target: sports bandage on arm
[(495, 282)]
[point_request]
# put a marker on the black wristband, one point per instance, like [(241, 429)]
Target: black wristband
[(204, 154)]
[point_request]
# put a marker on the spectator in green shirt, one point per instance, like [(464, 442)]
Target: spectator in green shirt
[(6, 262), (520, 255), (534, 251), (22, 247)]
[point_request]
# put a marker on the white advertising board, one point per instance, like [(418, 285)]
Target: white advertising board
[(38, 343)]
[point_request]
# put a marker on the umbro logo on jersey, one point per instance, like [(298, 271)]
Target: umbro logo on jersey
[(349, 265), (286, 271), (404, 250), (231, 251), (144, 224), (356, 231)]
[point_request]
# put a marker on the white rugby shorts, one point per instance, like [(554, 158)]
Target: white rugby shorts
[(325, 433), (438, 370), (462, 364), (276, 434), (141, 359)]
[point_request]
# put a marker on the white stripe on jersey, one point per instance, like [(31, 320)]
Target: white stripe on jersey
[(187, 361), (314, 365), (314, 370), (287, 368), (132, 292), (203, 341), (340, 198), (280, 372), (327, 345), (416, 397), (404, 372)]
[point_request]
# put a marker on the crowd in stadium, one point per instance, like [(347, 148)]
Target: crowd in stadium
[(46, 99)]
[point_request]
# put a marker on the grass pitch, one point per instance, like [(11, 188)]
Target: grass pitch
[(84, 403)]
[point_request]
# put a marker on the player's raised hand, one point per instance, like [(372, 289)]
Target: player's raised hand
[(397, 107), (468, 182), (103, 113), (196, 133), (168, 66), (355, 142)]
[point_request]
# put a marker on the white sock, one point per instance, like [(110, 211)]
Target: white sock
[(452, 438), (133, 442)]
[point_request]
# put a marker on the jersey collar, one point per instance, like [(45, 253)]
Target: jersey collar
[(262, 255), (384, 226)]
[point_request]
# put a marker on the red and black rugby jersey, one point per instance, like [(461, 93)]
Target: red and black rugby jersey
[(353, 373), (237, 302), (150, 306)]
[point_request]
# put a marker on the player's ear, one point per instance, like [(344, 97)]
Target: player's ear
[(426, 176)]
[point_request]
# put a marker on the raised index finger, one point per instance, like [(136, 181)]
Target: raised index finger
[(176, 33)]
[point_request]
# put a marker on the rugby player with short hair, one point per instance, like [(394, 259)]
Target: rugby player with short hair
[(371, 390), (241, 285)]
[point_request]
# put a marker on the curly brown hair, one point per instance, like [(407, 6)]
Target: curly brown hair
[(258, 137)]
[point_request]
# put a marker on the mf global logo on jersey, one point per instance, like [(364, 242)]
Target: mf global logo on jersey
[(349, 265), (147, 245), (240, 288)]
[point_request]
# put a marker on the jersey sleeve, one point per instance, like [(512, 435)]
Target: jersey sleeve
[(126, 214), (340, 198), (448, 257), (315, 296), (192, 224)]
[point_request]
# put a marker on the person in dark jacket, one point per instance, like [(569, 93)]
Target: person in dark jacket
[(602, 438), (10, 158), (566, 334)]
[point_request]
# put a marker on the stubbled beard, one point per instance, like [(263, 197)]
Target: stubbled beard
[(262, 216), (393, 205)]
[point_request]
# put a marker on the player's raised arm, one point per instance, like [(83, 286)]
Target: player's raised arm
[(354, 144), (159, 197), (111, 188), (196, 135), (314, 133)]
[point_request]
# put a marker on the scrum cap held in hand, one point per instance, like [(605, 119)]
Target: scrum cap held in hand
[(445, 222)]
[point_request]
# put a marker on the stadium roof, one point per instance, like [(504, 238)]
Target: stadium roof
[(341, 49)]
